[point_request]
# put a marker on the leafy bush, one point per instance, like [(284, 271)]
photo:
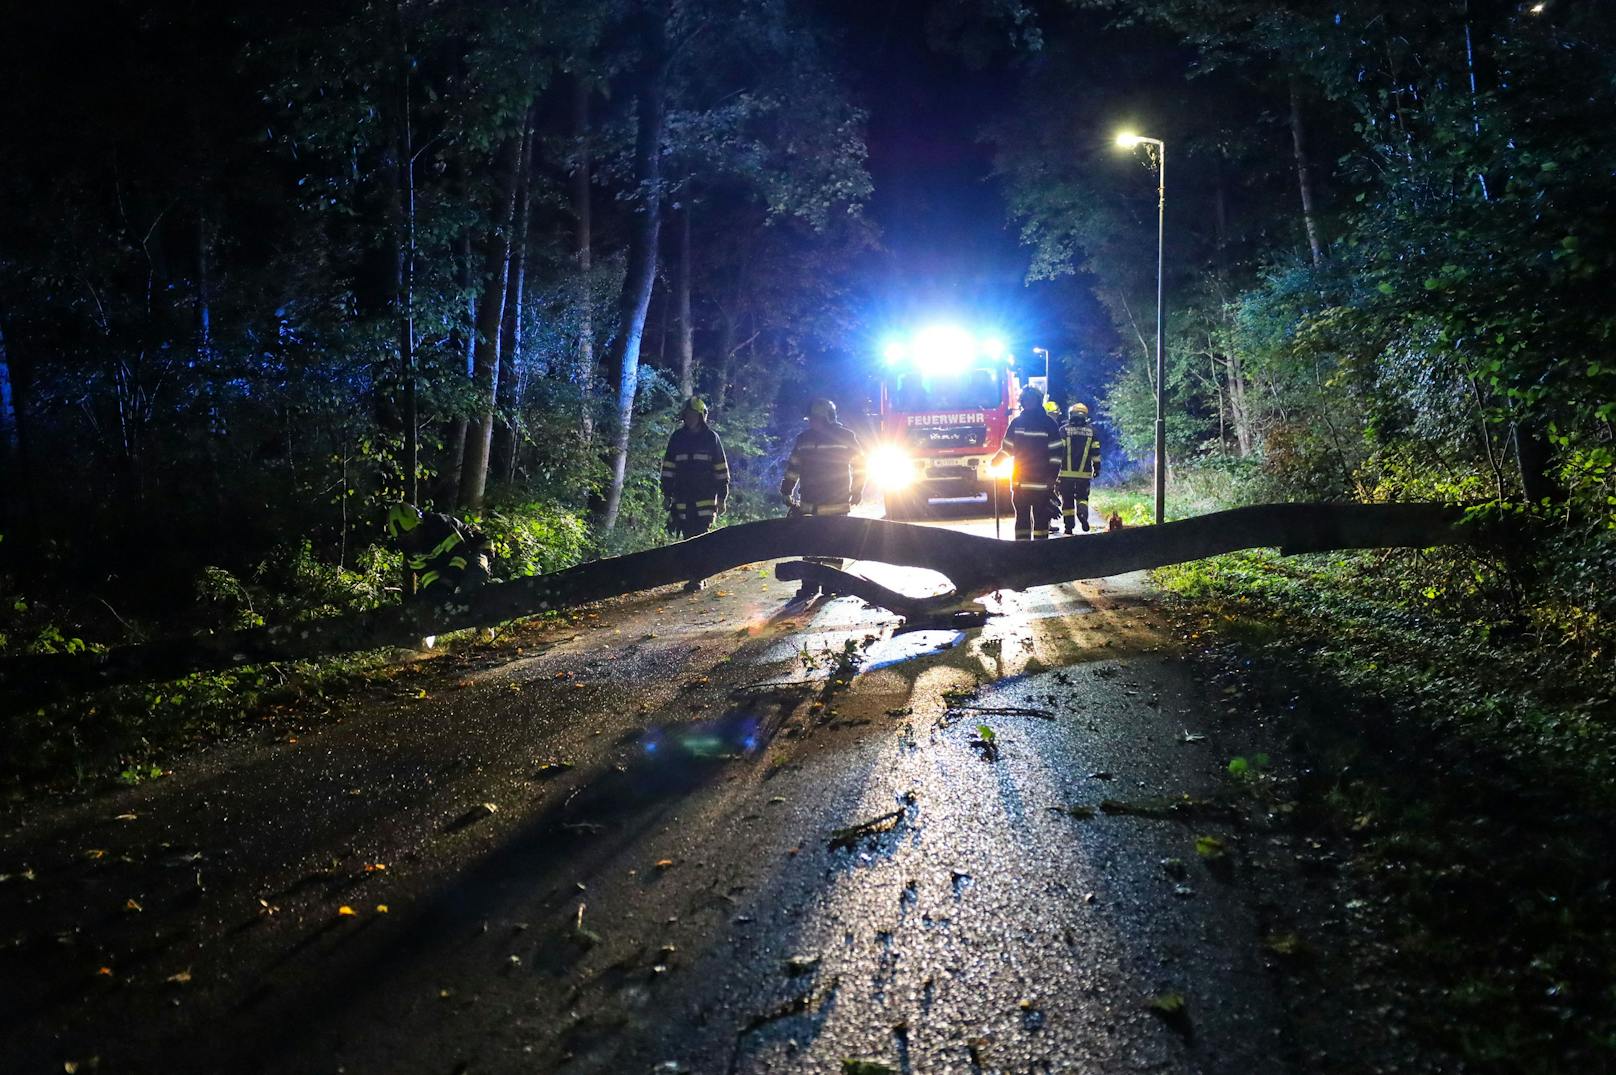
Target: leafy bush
[(532, 538), (293, 585)]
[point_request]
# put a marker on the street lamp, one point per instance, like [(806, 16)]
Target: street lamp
[(1129, 140), (1045, 352)]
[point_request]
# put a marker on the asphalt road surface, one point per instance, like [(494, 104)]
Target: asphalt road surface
[(619, 845)]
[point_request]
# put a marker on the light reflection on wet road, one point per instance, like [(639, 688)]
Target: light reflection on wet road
[(656, 888)]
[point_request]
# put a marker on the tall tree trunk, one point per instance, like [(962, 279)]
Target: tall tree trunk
[(464, 340), (727, 322), (1304, 177), (730, 316), (1239, 412), (686, 341), (585, 371), (1532, 457), (642, 250), (404, 247), (8, 409), (490, 317), (16, 476), (510, 349)]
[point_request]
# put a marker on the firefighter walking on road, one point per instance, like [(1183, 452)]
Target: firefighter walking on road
[(695, 476), (1080, 465), (1033, 438), (825, 474)]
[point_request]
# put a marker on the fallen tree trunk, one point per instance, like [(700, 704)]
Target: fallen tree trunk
[(975, 566)]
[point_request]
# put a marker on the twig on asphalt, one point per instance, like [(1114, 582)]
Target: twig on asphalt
[(854, 833), (1006, 711), (797, 1005)]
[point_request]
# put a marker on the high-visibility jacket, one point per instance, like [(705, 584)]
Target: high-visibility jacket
[(440, 548), (695, 471), (827, 469), (1035, 440), (1081, 455)]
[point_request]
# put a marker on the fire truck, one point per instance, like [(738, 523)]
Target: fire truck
[(945, 399)]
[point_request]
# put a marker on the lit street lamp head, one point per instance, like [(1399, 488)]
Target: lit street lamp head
[(1128, 140)]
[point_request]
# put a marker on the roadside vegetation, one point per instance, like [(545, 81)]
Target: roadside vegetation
[(1449, 718)]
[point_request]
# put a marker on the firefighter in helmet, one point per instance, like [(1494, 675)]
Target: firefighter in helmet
[(825, 474), (447, 556), (695, 476), (1080, 465), (1034, 440)]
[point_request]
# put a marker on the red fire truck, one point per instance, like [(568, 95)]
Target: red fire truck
[(945, 399)]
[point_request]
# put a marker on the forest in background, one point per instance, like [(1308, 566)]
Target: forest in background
[(269, 269), (1389, 248)]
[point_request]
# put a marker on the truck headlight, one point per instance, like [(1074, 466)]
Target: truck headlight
[(891, 467)]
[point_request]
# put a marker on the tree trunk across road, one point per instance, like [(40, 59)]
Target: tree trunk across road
[(975, 566)]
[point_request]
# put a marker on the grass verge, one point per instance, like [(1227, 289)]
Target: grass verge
[(1471, 775)]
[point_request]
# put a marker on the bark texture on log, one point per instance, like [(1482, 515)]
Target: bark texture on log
[(975, 566)]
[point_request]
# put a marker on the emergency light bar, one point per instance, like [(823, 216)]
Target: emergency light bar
[(943, 349)]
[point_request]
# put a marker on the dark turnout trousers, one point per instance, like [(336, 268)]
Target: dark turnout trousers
[(1074, 502)]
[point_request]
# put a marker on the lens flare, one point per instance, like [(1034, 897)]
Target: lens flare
[(891, 468)]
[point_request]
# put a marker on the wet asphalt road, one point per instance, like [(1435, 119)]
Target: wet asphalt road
[(606, 847)]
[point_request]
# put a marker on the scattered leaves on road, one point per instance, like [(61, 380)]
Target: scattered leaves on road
[(986, 741), (852, 1066), (1172, 1009), (1210, 847), (1288, 946)]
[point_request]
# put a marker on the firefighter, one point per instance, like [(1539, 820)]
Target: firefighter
[(1052, 409), (825, 474), (1080, 465), (1034, 439), (447, 556), (695, 476)]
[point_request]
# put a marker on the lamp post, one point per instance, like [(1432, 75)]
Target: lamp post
[(1045, 352), (1130, 141)]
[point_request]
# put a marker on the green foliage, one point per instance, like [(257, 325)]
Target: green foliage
[(532, 539), (292, 584)]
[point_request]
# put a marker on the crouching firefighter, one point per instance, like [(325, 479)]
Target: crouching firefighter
[(825, 474), (1080, 465), (447, 556), (695, 476), (1034, 440)]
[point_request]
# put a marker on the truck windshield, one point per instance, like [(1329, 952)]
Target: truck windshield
[(974, 389)]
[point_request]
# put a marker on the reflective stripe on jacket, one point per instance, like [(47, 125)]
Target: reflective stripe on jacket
[(827, 467), (694, 466), (1082, 454), (440, 544), (1035, 441)]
